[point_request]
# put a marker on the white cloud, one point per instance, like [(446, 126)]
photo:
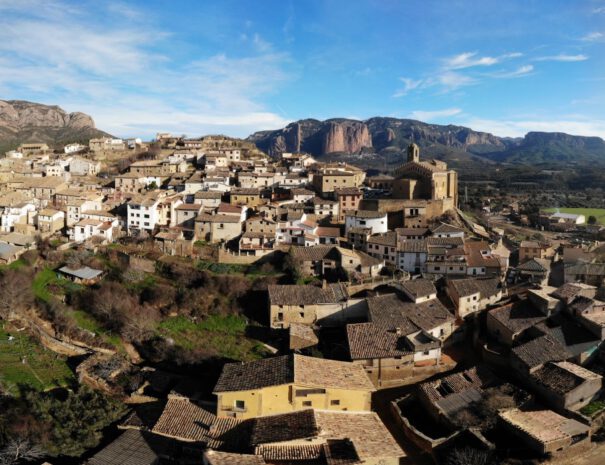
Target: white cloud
[(451, 80), (434, 114), (521, 71), (563, 57), (408, 85), (112, 70), (518, 128), (469, 60), (593, 37)]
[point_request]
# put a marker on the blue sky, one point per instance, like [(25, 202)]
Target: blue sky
[(236, 66)]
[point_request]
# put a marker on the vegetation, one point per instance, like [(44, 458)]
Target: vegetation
[(24, 362), (593, 407), (65, 423), (214, 336), (597, 213)]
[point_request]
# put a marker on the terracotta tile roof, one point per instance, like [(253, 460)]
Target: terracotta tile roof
[(184, 420), (563, 377), (413, 246), (539, 351), (419, 287), (391, 312), (363, 429), (444, 228), (545, 426), (227, 458), (317, 252), (132, 447), (297, 369), (207, 218), (296, 294), (485, 287), (368, 341), (389, 239), (517, 316), (366, 214), (284, 427), (536, 265), (281, 453), (478, 377)]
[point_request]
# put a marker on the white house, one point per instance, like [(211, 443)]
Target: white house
[(18, 213), (82, 167), (373, 220), (143, 214), (73, 148), (87, 228)]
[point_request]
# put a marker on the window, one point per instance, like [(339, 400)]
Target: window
[(426, 352), (335, 402), (302, 314), (280, 316), (307, 403), (240, 405)]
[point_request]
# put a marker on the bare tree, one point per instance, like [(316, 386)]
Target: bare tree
[(19, 450), (468, 456), (15, 293)]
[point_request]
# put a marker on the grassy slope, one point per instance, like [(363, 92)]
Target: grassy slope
[(220, 335), (24, 361)]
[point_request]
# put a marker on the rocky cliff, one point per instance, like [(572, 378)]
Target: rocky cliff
[(389, 136), (376, 134), (22, 121)]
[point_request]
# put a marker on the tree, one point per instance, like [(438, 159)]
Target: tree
[(15, 293), (20, 450), (592, 219), (468, 456)]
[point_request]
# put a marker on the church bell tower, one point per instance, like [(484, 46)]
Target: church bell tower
[(413, 153)]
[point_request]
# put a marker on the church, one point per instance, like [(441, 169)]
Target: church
[(427, 180)]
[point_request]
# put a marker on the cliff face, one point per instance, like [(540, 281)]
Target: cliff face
[(346, 136), (350, 136), (22, 121)]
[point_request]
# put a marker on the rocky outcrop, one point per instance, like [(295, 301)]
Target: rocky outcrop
[(22, 121), (346, 136), (388, 136), (351, 136)]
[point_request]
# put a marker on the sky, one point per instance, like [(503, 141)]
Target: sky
[(237, 66)]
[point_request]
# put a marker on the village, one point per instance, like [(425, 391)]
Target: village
[(392, 328)]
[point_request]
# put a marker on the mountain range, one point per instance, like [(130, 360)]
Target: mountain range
[(377, 142), (22, 121), (390, 136)]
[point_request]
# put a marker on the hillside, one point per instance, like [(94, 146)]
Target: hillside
[(22, 121), (388, 137)]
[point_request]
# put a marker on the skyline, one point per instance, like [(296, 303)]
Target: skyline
[(237, 67)]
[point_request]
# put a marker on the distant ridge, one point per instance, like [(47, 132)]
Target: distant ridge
[(22, 121), (391, 135)]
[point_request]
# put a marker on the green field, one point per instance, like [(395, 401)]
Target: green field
[(223, 336), (24, 361), (598, 213)]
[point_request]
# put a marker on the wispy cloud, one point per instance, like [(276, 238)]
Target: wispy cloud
[(456, 72), (593, 37), (113, 70), (431, 115), (521, 71), (563, 57), (408, 85), (468, 60), (599, 10)]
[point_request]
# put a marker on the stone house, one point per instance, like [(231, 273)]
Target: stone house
[(328, 305), (472, 295), (291, 383)]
